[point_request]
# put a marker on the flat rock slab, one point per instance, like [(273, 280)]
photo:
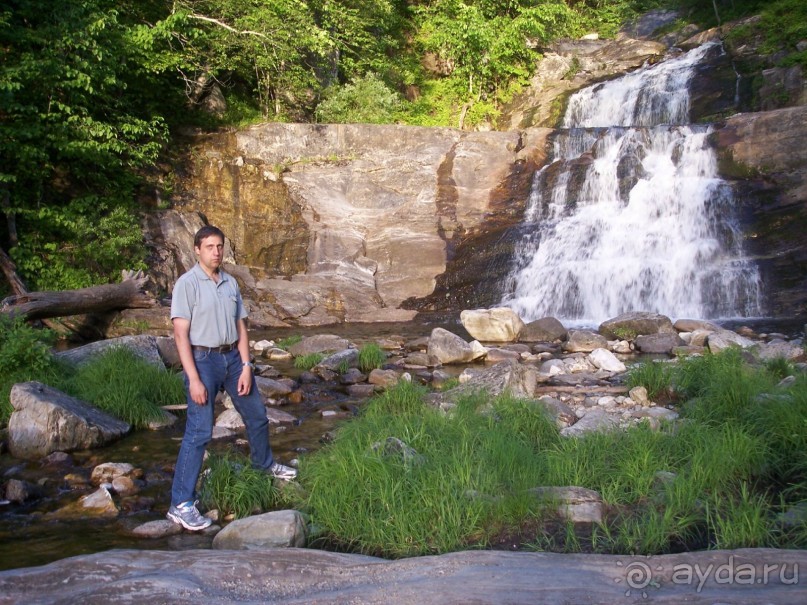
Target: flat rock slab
[(297, 576)]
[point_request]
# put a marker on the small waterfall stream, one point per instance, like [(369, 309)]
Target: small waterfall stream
[(631, 215)]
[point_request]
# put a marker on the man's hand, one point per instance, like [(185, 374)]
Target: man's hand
[(198, 392), (245, 381)]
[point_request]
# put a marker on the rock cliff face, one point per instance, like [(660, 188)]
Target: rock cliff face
[(334, 223)]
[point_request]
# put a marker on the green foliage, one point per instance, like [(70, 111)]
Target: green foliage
[(24, 355), (73, 135), (366, 101), (126, 386), (371, 356), (235, 488), (308, 361), (22, 346)]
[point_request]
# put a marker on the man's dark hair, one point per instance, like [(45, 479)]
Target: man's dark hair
[(205, 232)]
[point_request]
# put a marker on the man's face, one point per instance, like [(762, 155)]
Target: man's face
[(211, 252)]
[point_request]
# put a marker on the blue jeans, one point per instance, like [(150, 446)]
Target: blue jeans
[(218, 370)]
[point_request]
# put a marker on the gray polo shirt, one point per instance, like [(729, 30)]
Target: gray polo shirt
[(212, 308)]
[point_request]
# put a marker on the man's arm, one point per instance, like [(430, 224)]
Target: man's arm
[(197, 389), (245, 380)]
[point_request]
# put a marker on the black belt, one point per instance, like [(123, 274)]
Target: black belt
[(221, 349)]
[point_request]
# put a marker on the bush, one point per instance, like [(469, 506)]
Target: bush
[(25, 355), (366, 101)]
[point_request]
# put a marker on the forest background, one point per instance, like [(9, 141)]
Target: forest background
[(94, 94)]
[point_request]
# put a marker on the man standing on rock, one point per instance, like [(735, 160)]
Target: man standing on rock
[(211, 336)]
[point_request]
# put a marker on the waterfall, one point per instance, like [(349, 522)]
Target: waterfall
[(631, 214)]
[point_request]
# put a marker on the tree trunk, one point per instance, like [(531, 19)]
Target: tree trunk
[(128, 294), (10, 271)]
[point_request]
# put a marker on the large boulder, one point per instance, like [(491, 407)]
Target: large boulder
[(144, 346), (447, 347), (298, 576), (631, 325), (500, 324), (319, 343), (46, 420), (584, 341), (269, 530), (519, 380), (546, 329)]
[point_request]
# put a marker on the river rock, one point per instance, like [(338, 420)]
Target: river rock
[(348, 358), (352, 376), (420, 358), (584, 341), (564, 415), (270, 388), (276, 416), (160, 528), (109, 471), (546, 329), (690, 325), (723, 339), (97, 504), (495, 355), (447, 347), (124, 486), (631, 325), (19, 491), (781, 349), (500, 324), (144, 346), (320, 343), (46, 420), (383, 378), (275, 529), (663, 342), (361, 391), (574, 504), (605, 360), (639, 396), (518, 379), (596, 419)]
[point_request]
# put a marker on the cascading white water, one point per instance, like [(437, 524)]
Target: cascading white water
[(631, 214)]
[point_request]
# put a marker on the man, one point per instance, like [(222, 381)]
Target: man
[(211, 336)]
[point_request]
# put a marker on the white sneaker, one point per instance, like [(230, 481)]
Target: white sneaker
[(283, 472), (188, 516)]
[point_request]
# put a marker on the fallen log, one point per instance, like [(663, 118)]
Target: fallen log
[(128, 294)]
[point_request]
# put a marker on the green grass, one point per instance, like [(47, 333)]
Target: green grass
[(655, 376), (290, 341), (308, 361), (705, 481), (233, 487), (124, 385), (371, 356)]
